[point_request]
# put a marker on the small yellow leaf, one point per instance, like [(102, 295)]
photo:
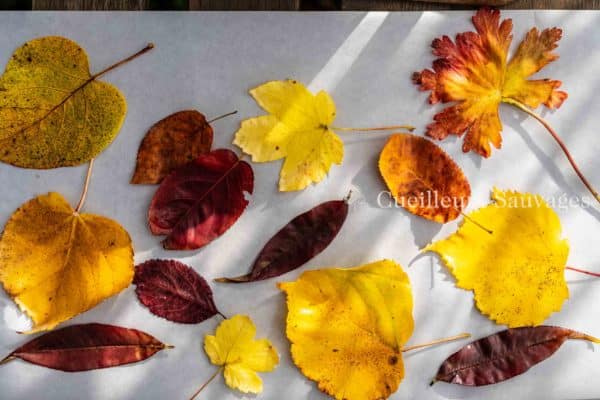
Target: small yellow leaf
[(517, 272), (297, 129), (53, 113), (234, 348), (56, 263), (348, 326)]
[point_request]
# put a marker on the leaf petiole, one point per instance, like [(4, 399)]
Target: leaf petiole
[(221, 117), (146, 49), (437, 341), (465, 216), (558, 140), (409, 128), (86, 185), (205, 384), (582, 271), (7, 359)]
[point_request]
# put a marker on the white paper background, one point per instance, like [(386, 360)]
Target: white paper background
[(208, 62)]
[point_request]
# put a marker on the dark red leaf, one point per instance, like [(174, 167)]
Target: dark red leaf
[(300, 240), (504, 355), (198, 202), (171, 143), (174, 291), (88, 346)]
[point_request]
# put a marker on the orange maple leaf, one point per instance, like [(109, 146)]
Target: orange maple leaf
[(474, 72)]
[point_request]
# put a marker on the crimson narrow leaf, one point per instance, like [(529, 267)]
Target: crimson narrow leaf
[(300, 240), (174, 291), (504, 355), (88, 346), (198, 202)]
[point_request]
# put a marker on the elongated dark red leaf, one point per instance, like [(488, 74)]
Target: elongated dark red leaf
[(300, 240), (171, 143), (504, 355), (174, 291), (88, 346), (198, 202)]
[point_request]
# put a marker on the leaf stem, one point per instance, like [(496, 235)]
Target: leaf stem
[(379, 128), (206, 383), (146, 49), (558, 140), (86, 185), (582, 271), (465, 216), (438, 341), (583, 336), (221, 314), (7, 359), (221, 117)]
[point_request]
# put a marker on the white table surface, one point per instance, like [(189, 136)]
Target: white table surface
[(208, 62)]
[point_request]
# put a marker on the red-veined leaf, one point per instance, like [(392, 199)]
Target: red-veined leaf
[(88, 346), (174, 291), (198, 202), (296, 243), (171, 143), (504, 355)]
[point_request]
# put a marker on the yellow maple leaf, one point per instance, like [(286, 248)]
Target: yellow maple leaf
[(53, 112), (56, 263), (348, 326), (297, 128), (473, 71), (235, 350), (517, 271)]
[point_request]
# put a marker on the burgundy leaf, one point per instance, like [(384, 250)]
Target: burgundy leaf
[(171, 143), (504, 355), (198, 202), (88, 346), (300, 240), (174, 291)]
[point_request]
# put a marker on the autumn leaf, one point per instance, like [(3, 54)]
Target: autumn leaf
[(300, 240), (56, 263), (174, 291), (504, 355), (348, 327), (474, 72), (53, 112), (171, 143), (85, 347), (517, 271), (423, 178), (240, 356), (297, 128), (198, 202)]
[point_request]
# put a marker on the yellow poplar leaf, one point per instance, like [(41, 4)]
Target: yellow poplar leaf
[(297, 128), (234, 349), (56, 263), (517, 271), (348, 326), (53, 113)]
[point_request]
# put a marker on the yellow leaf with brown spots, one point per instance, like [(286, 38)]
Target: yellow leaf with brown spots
[(517, 270), (56, 263), (347, 327), (53, 112)]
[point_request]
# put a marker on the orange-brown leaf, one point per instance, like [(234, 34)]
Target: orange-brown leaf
[(423, 178), (171, 143), (473, 72)]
